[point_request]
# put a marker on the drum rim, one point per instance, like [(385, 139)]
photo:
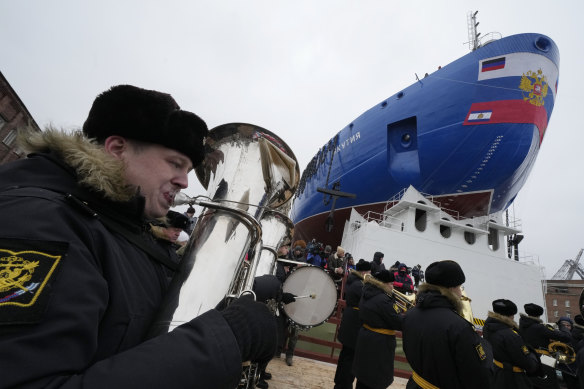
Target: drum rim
[(307, 326)]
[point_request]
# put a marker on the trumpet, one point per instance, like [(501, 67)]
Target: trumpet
[(403, 301)]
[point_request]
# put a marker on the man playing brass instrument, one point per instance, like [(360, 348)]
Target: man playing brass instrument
[(442, 347), (537, 335), (81, 276), (350, 325), (375, 349), (513, 360)]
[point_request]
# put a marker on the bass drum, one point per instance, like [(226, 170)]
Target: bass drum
[(316, 296)]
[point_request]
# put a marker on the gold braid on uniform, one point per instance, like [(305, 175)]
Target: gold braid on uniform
[(504, 319), (453, 298)]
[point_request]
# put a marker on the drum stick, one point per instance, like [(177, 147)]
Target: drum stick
[(312, 296)]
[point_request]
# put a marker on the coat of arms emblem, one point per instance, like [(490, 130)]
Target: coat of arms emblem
[(535, 86)]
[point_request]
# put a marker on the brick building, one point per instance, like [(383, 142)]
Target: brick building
[(562, 298), (14, 117)]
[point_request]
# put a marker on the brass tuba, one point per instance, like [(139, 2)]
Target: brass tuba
[(247, 169)]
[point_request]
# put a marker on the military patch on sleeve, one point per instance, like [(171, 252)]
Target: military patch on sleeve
[(27, 271), (396, 308), (481, 352)]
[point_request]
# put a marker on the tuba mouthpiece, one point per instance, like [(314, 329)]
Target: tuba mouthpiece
[(181, 198)]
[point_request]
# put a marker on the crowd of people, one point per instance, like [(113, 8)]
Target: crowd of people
[(443, 349), (82, 280)]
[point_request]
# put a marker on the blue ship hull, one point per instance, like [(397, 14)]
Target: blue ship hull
[(468, 134)]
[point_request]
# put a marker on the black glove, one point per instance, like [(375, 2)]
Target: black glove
[(288, 298), (254, 327)]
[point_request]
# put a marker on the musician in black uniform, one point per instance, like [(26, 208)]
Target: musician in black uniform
[(513, 360), (442, 348), (85, 277), (566, 325), (539, 336), (268, 290), (350, 325), (375, 349)]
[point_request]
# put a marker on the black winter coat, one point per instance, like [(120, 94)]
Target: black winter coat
[(86, 323), (350, 323), (377, 266), (538, 335), (375, 352), (510, 350), (441, 346)]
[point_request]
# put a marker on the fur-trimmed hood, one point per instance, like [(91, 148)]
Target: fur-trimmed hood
[(535, 319), (94, 168), (503, 319), (429, 289)]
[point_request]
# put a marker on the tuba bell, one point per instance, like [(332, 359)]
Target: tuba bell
[(247, 169)]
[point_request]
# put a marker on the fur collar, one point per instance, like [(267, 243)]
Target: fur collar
[(95, 169), (454, 299), (536, 319), (503, 319)]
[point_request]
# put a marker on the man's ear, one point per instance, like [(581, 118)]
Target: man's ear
[(115, 145)]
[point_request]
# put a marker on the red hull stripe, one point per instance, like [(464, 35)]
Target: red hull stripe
[(510, 111)]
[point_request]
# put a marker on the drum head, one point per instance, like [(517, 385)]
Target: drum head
[(307, 311)]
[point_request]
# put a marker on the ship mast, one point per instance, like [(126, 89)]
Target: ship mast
[(473, 35)]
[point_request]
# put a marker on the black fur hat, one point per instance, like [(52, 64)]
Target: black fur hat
[(147, 116), (363, 265), (384, 276), (378, 254), (177, 220), (504, 307), (533, 310), (445, 273), (579, 320)]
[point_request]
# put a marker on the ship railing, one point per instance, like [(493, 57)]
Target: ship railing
[(398, 196), (384, 221), (489, 37)]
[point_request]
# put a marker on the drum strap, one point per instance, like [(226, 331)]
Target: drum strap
[(422, 382), (384, 331), (515, 368)]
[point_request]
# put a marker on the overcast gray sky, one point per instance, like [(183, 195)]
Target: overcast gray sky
[(302, 69)]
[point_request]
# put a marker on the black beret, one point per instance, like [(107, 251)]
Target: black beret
[(504, 307), (363, 265), (384, 276), (177, 220), (533, 310), (147, 116), (378, 254), (445, 273)]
